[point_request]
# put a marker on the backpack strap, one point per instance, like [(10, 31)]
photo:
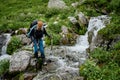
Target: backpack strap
[(28, 34)]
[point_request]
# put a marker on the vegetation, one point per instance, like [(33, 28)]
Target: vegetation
[(4, 66), (102, 64), (14, 44), (16, 14)]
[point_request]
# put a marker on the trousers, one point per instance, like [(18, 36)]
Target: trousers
[(38, 46)]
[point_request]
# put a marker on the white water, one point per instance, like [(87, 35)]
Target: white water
[(4, 55), (79, 50)]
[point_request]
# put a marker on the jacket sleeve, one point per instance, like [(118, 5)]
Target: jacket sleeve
[(45, 32)]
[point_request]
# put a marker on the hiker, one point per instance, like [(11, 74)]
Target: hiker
[(36, 34)]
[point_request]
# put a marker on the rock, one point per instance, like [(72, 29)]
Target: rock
[(48, 77), (73, 20), (25, 40), (75, 4), (78, 78), (21, 31), (29, 76), (82, 19), (59, 4), (67, 37), (19, 61)]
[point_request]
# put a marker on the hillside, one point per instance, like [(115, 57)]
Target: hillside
[(103, 62)]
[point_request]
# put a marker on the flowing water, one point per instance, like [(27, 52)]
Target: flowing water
[(4, 55), (67, 59)]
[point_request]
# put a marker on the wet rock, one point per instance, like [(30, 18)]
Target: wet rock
[(57, 4), (2, 41), (19, 61)]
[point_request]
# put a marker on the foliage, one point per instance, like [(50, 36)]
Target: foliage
[(15, 14), (91, 71), (55, 28), (109, 5), (102, 65), (55, 39), (100, 55), (14, 44), (52, 12), (111, 30), (69, 2), (4, 66), (83, 30), (117, 46)]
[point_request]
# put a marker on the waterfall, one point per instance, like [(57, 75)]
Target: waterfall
[(95, 24), (4, 55)]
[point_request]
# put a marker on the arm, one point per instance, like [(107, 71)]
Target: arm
[(45, 32)]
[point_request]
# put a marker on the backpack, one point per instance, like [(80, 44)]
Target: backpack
[(32, 26)]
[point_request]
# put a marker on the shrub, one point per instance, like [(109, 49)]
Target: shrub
[(107, 66), (101, 55), (14, 44), (90, 71), (117, 46), (51, 12), (4, 66), (55, 40), (55, 28)]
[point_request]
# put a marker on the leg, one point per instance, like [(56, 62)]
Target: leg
[(41, 48), (35, 49), (42, 51)]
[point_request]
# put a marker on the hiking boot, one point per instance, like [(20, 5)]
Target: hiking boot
[(36, 55), (44, 63)]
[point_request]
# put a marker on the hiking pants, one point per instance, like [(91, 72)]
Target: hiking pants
[(38, 46)]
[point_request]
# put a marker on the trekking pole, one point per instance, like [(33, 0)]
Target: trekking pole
[(51, 43)]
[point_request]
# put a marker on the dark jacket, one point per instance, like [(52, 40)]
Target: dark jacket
[(35, 34)]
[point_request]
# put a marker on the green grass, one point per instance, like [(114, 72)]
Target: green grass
[(4, 66), (14, 44)]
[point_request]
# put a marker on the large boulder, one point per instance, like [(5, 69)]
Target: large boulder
[(25, 40), (57, 4), (19, 61)]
